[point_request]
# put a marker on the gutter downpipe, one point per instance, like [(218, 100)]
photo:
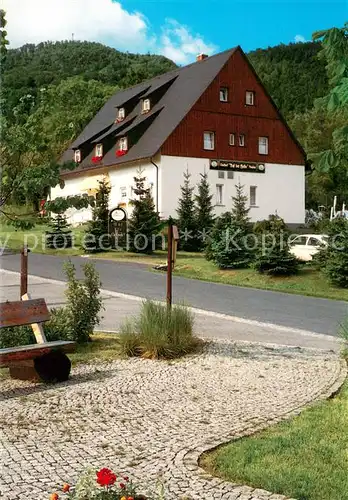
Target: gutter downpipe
[(156, 166)]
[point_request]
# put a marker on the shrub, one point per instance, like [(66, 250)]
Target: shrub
[(275, 259), (159, 332), (81, 314), (14, 336), (334, 258)]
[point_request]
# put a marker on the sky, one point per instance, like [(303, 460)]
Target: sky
[(178, 29)]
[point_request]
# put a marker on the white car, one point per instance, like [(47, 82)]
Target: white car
[(304, 246)]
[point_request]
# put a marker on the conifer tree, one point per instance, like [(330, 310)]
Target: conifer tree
[(230, 247), (97, 236), (204, 211), (186, 217), (144, 223), (273, 255)]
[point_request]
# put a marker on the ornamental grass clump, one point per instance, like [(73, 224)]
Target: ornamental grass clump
[(159, 332)]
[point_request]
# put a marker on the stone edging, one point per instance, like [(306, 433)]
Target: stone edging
[(190, 459)]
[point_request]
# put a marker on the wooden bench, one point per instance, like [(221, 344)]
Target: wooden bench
[(44, 361)]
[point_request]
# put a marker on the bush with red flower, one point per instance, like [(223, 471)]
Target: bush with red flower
[(101, 485)]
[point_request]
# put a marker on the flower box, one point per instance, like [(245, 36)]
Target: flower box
[(96, 159)]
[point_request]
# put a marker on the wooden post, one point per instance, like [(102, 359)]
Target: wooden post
[(170, 264), (24, 271)]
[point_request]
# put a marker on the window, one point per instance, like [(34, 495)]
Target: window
[(99, 150), (252, 196), (263, 145), (123, 192), (299, 240), (209, 140), (219, 194), (230, 175), (314, 242), (146, 105), (232, 140), (221, 174), (241, 140), (123, 144), (249, 98), (77, 156), (224, 94), (121, 113)]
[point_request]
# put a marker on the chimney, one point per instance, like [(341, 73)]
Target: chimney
[(200, 57)]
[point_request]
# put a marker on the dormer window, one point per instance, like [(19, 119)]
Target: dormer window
[(123, 144), (146, 105), (99, 150), (77, 156), (121, 114)]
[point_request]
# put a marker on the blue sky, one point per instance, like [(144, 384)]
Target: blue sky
[(178, 29)]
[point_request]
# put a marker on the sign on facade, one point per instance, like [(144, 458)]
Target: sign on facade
[(238, 166)]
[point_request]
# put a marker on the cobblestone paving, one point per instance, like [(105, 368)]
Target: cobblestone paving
[(153, 419)]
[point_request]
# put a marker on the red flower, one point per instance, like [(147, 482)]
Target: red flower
[(66, 487), (121, 152), (122, 486), (105, 477), (126, 478), (96, 159)]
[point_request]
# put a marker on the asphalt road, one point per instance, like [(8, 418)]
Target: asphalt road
[(295, 311)]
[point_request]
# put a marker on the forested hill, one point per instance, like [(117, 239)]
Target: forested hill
[(292, 73), (31, 67)]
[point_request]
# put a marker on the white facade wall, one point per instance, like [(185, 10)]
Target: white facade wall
[(280, 189), (121, 180)]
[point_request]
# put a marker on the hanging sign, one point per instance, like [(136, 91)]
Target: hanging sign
[(238, 166), (118, 214)]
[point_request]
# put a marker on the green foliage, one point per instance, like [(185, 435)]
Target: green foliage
[(187, 222), (59, 237), (144, 223), (231, 245), (16, 336), (84, 302), (292, 74), (3, 36), (204, 213), (97, 236), (333, 259), (31, 67), (159, 332), (273, 256)]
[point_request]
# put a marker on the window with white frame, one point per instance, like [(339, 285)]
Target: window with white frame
[(250, 98), (232, 139), (123, 144), (121, 113), (209, 140), (99, 150), (146, 105), (123, 190), (221, 174), (252, 196), (263, 145), (230, 174), (77, 156), (219, 194), (241, 140), (224, 94)]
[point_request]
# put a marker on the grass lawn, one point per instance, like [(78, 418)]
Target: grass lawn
[(191, 265), (305, 458)]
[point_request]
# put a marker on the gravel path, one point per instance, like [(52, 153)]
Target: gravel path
[(153, 419)]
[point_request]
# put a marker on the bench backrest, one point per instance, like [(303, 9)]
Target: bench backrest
[(23, 312)]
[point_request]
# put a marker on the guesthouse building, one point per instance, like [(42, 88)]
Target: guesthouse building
[(211, 116)]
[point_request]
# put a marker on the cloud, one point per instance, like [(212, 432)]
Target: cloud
[(105, 21), (299, 38), (179, 44)]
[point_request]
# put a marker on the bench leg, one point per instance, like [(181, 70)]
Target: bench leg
[(52, 367)]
